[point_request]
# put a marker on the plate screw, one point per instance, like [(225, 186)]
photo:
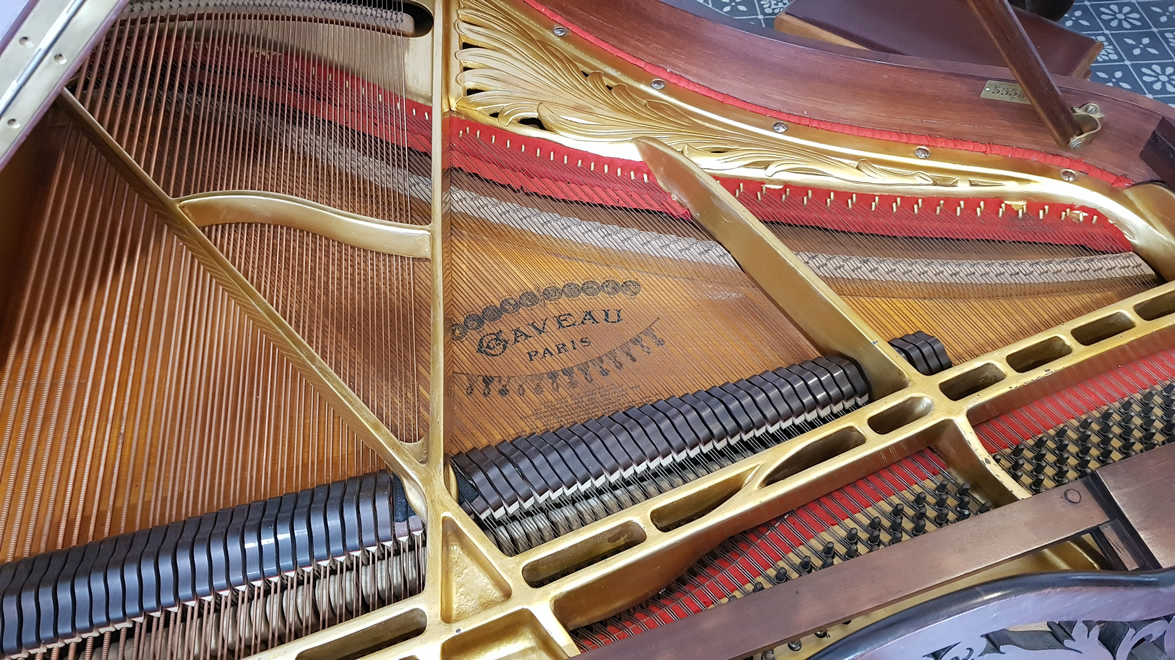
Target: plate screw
[(1068, 175), (59, 58), (779, 127), (922, 152), (14, 123), (25, 41), (796, 645), (657, 84), (560, 31), (1072, 496)]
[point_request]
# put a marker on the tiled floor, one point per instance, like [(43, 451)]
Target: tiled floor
[(1139, 38)]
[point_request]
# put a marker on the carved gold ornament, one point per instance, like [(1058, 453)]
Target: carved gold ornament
[(516, 76)]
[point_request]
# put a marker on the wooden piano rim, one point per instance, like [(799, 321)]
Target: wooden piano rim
[(906, 95)]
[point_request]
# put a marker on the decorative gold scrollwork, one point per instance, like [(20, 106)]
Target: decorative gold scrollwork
[(514, 74)]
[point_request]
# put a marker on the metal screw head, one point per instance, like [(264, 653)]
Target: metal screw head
[(1068, 175), (25, 41), (922, 152), (1072, 496), (657, 84), (779, 127), (560, 31), (796, 645), (14, 123), (59, 58)]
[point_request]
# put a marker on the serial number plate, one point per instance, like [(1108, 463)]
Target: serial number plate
[(1004, 91)]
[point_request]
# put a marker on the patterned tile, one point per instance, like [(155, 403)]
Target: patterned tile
[(1138, 36)]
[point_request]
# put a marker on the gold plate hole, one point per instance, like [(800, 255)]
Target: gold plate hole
[(895, 417), (1156, 307), (815, 453), (697, 504), (1103, 328), (975, 380), (369, 639), (1039, 354), (589, 551)]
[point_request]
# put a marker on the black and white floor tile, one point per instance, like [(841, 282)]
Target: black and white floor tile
[(1138, 38)]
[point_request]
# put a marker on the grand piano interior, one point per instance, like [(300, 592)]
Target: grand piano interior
[(527, 328)]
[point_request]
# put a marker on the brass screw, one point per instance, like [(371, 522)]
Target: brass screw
[(560, 31), (657, 84), (922, 152)]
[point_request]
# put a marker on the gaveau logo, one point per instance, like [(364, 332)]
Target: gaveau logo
[(547, 336), (493, 344)]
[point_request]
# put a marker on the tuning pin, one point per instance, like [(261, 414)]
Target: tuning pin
[(919, 527), (942, 518), (874, 538), (781, 576), (852, 537), (1017, 451), (941, 487), (828, 552), (920, 501), (757, 588), (805, 564), (898, 510)]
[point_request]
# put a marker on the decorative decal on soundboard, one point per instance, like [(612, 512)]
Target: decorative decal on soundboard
[(528, 299), (567, 378)]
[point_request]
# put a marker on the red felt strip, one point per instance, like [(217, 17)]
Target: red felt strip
[(1039, 416), (761, 548), (539, 166)]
